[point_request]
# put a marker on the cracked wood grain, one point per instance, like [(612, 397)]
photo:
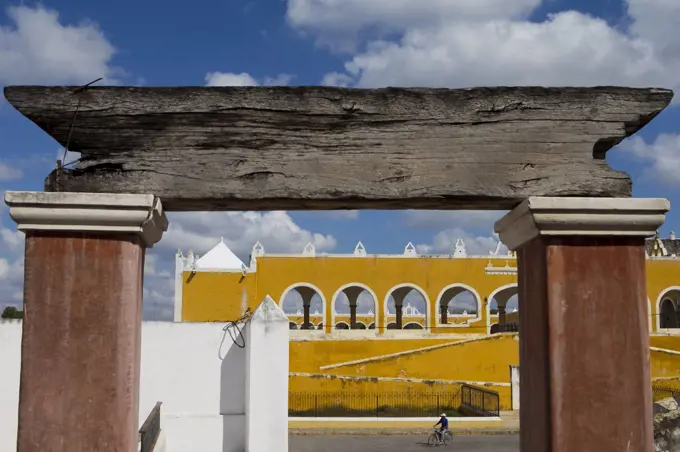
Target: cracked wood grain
[(265, 148)]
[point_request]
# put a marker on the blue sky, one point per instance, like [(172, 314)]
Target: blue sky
[(367, 43)]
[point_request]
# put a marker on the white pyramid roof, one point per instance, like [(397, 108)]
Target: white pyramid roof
[(220, 257)]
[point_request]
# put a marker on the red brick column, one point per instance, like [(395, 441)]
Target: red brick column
[(84, 266), (584, 340)]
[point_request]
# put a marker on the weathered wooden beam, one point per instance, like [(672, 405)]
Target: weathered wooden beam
[(262, 148)]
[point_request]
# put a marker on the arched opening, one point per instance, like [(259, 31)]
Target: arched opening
[(406, 303), (495, 328), (413, 326), (303, 303), (292, 326), (458, 303), (357, 302), (371, 326), (503, 306), (669, 314), (320, 327), (392, 326), (341, 326)]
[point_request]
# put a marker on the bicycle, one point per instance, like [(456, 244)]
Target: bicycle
[(434, 440)]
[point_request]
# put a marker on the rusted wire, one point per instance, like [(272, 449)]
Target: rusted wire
[(73, 122)]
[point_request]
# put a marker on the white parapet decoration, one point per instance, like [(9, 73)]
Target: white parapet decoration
[(410, 250), (309, 250), (267, 379), (360, 250), (257, 251), (459, 248)]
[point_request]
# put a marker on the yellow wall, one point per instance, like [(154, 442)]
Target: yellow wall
[(310, 356), (323, 384), (212, 296), (458, 361)]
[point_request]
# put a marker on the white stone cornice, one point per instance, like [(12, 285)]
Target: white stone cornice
[(554, 216), (89, 212)]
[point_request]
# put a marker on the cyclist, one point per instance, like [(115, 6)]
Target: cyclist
[(444, 423)]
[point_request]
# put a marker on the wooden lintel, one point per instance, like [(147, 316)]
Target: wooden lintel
[(269, 148)]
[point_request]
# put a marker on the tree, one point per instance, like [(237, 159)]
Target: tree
[(11, 312)]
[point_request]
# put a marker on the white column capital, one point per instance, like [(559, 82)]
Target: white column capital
[(556, 216), (89, 212)]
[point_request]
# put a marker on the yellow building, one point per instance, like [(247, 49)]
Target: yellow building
[(439, 294), (365, 321)]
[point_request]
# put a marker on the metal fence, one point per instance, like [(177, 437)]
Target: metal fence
[(660, 392), (478, 401), (151, 429), (372, 404)]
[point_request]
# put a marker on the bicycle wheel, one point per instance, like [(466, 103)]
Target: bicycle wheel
[(448, 437), (433, 440)]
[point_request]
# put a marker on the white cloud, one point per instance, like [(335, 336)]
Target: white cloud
[(293, 303), (338, 22), (276, 230), (365, 303), (37, 48), (448, 44), (229, 79), (444, 241), (570, 48), (11, 266), (663, 155), (244, 79), (337, 79), (336, 214), (9, 173)]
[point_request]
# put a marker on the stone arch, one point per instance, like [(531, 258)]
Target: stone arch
[(413, 287), (319, 293), (665, 315), (341, 326), (365, 288), (491, 300), (360, 326), (494, 329), (292, 326), (448, 294), (413, 326)]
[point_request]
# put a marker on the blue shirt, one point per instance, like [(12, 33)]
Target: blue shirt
[(444, 422)]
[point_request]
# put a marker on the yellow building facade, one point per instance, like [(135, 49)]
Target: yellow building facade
[(362, 321), (219, 287)]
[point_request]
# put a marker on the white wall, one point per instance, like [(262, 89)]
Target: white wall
[(10, 360), (193, 368), (199, 374), (514, 384)]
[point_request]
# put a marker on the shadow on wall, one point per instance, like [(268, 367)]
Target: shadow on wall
[(233, 389)]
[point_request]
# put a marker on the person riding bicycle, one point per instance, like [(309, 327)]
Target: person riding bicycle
[(444, 423)]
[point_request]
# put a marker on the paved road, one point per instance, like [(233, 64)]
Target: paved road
[(397, 443)]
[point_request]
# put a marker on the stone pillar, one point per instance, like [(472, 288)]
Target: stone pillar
[(444, 310), (306, 293), (584, 341), (352, 294), (83, 279), (267, 379), (501, 317), (399, 295)]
